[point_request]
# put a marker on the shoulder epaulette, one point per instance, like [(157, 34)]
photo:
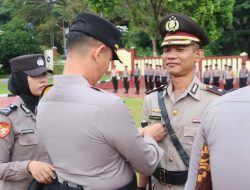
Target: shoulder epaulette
[(7, 111), (215, 90), (156, 89), (97, 89)]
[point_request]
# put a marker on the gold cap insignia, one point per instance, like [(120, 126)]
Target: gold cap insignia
[(116, 46), (172, 24)]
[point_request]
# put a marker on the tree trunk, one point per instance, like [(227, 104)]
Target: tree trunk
[(154, 44)]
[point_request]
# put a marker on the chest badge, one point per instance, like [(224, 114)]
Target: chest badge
[(174, 111), (4, 129)]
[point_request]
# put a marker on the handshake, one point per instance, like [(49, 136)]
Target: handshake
[(156, 131)]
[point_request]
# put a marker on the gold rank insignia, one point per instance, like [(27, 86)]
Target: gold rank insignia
[(172, 24), (4, 129), (156, 110), (174, 111)]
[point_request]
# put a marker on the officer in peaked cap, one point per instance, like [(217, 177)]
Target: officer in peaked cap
[(182, 49), (103, 145), (23, 156)]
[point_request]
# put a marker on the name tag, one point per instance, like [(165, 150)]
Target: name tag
[(27, 131), (155, 117)]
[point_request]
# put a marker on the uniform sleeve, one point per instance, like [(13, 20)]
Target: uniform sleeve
[(11, 171), (195, 159), (121, 133), (145, 108)]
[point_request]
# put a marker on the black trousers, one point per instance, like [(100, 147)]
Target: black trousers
[(164, 80), (115, 83), (229, 84), (146, 82), (64, 186), (157, 81), (150, 82), (216, 81), (137, 84), (206, 81), (126, 84), (243, 82)]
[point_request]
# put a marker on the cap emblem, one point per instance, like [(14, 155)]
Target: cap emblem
[(172, 24), (40, 62)]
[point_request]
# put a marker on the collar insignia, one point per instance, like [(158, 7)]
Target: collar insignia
[(194, 88), (25, 109), (172, 24)]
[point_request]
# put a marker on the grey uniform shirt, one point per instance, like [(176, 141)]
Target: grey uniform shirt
[(137, 72), (18, 148), (225, 128), (91, 136), (185, 117), (243, 73)]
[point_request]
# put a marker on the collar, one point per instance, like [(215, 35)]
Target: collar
[(70, 80), (193, 89), (23, 108)]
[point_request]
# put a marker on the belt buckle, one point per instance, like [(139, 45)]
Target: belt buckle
[(162, 176)]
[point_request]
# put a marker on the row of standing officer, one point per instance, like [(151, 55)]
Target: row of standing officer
[(155, 77), (215, 76)]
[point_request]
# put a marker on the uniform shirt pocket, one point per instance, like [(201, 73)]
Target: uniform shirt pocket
[(189, 134), (28, 139)]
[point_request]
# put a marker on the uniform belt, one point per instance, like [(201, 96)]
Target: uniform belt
[(170, 177), (69, 185)]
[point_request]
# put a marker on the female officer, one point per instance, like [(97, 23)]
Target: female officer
[(23, 156)]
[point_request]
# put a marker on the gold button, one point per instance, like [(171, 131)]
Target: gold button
[(174, 111), (170, 159)]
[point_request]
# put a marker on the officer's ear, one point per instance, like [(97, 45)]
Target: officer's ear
[(199, 55), (100, 52)]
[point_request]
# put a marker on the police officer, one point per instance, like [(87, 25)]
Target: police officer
[(229, 77), (157, 76), (185, 99), (23, 156), (146, 76), (206, 75), (219, 137), (243, 75), (164, 76), (216, 74), (99, 144), (137, 76), (151, 77), (114, 75), (125, 79)]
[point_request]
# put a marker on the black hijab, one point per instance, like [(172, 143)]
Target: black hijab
[(18, 85)]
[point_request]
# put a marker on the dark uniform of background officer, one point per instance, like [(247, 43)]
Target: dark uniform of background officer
[(185, 99), (22, 155), (89, 133), (137, 76)]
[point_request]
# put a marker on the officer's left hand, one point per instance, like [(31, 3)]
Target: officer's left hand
[(42, 172)]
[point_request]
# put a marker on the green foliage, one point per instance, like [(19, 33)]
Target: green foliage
[(16, 39), (135, 107)]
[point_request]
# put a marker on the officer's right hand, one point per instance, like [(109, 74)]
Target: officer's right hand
[(156, 131), (42, 172)]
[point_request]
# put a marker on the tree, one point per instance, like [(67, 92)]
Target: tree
[(16, 39), (145, 15)]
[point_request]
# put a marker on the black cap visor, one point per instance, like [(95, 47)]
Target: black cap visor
[(38, 71)]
